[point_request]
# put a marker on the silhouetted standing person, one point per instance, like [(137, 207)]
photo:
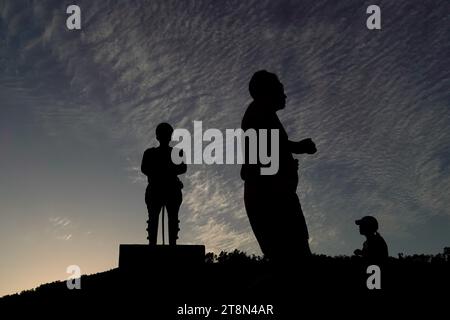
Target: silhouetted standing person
[(374, 248), (164, 186), (271, 201)]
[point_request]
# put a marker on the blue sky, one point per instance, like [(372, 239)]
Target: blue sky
[(78, 108)]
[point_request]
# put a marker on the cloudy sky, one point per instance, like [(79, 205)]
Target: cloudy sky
[(78, 108)]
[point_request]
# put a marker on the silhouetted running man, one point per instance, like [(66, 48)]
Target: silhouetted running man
[(271, 201), (374, 248), (164, 186)]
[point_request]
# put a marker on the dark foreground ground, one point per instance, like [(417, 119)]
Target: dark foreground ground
[(323, 287)]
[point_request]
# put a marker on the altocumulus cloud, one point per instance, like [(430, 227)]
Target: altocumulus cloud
[(376, 104)]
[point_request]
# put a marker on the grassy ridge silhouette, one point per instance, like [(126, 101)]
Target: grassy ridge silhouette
[(235, 277)]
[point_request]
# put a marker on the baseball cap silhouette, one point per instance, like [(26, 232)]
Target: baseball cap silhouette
[(369, 222)]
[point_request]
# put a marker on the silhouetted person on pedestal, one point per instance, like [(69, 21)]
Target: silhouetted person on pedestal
[(271, 201), (374, 248), (164, 186)]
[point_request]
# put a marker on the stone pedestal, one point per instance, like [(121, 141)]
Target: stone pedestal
[(144, 256)]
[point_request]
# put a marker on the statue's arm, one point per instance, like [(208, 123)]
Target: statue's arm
[(182, 167), (302, 146), (144, 164)]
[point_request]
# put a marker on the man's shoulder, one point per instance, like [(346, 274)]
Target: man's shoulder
[(150, 152), (256, 117), (376, 241), (155, 151), (381, 240), (252, 117)]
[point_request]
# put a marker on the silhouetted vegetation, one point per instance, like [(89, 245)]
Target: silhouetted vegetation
[(244, 278), (234, 257)]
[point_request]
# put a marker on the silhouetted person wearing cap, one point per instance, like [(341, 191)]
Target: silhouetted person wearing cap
[(164, 186), (374, 248), (271, 201)]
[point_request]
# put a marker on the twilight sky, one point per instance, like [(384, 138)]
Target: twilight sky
[(78, 108)]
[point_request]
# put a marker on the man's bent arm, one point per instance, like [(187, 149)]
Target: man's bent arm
[(296, 147), (303, 146)]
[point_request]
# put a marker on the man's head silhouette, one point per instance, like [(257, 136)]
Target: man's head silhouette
[(164, 133), (367, 225), (266, 88)]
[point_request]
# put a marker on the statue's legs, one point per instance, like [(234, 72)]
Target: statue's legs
[(153, 221), (154, 206), (172, 207), (155, 200)]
